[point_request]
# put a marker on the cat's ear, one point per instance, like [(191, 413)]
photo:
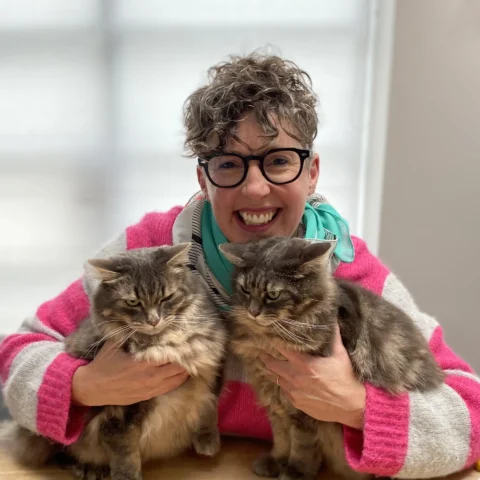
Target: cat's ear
[(234, 253), (106, 270), (316, 254), (178, 254)]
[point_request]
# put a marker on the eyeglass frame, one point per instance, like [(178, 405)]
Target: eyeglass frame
[(302, 154)]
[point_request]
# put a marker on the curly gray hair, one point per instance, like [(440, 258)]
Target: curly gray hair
[(259, 83)]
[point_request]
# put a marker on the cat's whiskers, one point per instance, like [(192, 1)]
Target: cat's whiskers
[(288, 334), (119, 343), (105, 337), (296, 323)]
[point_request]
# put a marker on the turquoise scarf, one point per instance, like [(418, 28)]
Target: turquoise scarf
[(321, 222)]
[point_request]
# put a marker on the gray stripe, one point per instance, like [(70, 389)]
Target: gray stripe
[(438, 434), (461, 373), (34, 325), (25, 377), (395, 292)]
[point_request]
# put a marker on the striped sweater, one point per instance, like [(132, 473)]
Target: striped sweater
[(415, 435)]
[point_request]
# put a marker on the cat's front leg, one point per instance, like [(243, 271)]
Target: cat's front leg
[(271, 464), (305, 452), (121, 437), (206, 439)]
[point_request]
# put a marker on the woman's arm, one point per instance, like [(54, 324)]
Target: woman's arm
[(415, 435)]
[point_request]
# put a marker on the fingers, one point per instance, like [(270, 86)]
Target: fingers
[(338, 346), (169, 384), (279, 367), (169, 370), (292, 355)]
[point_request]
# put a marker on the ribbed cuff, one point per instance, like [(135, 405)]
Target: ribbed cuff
[(57, 418), (381, 447)]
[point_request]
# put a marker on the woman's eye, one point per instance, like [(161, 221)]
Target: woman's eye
[(244, 290), (279, 161), (133, 303), (227, 165), (273, 295)]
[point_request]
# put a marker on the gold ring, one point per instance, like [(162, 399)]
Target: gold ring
[(278, 377)]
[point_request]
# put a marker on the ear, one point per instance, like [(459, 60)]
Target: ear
[(202, 181), (234, 253), (314, 173), (106, 270), (178, 254), (316, 254)]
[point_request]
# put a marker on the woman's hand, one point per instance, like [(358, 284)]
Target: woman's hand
[(114, 378), (324, 388)]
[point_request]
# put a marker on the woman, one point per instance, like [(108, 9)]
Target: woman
[(256, 114)]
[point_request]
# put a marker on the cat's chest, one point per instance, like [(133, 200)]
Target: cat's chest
[(185, 354), (250, 349)]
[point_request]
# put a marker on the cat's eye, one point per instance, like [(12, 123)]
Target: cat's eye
[(167, 298), (273, 295), (244, 290), (133, 302)]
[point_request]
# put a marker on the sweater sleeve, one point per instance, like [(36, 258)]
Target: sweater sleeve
[(35, 370), (414, 435)]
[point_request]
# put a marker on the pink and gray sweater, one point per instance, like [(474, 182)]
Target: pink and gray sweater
[(415, 435)]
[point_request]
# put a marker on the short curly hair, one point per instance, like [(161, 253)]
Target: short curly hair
[(259, 83)]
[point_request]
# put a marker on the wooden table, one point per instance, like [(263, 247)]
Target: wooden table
[(232, 463)]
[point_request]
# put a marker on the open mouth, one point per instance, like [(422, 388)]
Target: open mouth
[(257, 218)]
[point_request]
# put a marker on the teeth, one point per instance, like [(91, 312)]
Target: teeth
[(252, 219)]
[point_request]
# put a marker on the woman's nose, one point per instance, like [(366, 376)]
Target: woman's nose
[(255, 185)]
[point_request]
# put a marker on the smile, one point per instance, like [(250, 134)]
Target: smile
[(251, 218)]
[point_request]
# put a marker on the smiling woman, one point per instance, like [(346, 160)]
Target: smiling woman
[(252, 126)]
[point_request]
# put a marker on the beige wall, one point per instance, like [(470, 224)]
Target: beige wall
[(430, 223)]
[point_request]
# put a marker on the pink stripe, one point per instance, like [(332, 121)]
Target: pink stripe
[(381, 448), (64, 313), (153, 230), (57, 418), (239, 413), (469, 390), (12, 345), (366, 269), (444, 355)]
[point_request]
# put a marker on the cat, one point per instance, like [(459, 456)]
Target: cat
[(285, 294), (150, 303)]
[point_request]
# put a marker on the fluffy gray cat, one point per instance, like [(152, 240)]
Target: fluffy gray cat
[(284, 293), (149, 302)]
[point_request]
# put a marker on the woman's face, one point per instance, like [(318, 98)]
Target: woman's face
[(256, 195)]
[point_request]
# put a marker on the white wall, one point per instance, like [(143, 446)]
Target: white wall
[(431, 209)]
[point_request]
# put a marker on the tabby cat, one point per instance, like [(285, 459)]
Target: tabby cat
[(150, 303), (285, 294)]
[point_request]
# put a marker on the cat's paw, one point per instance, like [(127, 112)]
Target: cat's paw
[(290, 472), (90, 472), (126, 474), (266, 466), (207, 444)]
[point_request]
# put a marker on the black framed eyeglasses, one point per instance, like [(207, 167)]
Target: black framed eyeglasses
[(279, 166)]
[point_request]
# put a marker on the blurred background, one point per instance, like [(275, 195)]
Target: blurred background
[(91, 135)]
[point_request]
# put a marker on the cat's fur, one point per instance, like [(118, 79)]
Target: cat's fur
[(190, 332), (385, 346)]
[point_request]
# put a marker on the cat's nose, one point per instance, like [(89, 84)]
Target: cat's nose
[(253, 312), (153, 318)]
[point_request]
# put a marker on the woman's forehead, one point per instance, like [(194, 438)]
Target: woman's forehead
[(249, 138)]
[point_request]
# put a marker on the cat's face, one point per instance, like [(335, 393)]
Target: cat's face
[(277, 281), (144, 289)]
